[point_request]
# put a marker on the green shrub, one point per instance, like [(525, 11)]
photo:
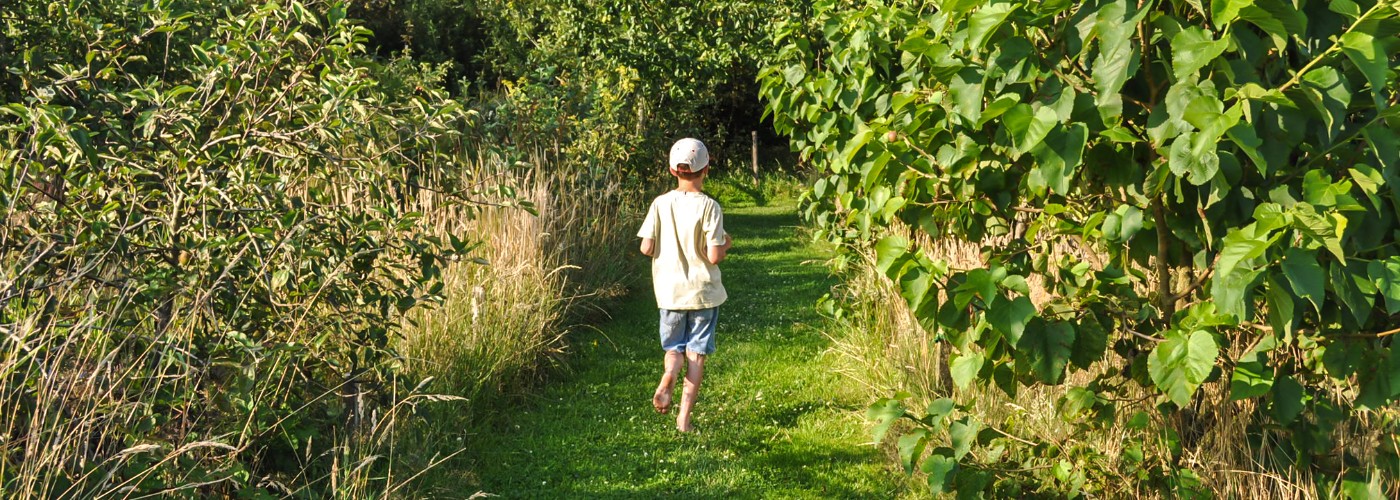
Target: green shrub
[(209, 239), (1226, 176), (739, 189)]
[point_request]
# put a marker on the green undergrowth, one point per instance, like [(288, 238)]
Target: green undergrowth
[(774, 419), (736, 189)]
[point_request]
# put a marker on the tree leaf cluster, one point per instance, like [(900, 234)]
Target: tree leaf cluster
[(614, 83), (1235, 164), (218, 200)]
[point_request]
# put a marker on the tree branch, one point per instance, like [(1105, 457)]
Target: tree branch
[(1165, 298)]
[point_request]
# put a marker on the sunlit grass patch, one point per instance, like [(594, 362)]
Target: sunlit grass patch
[(774, 420)]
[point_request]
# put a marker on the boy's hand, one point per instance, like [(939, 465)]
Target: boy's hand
[(717, 254)]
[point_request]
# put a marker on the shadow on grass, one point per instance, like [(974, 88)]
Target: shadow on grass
[(755, 192)]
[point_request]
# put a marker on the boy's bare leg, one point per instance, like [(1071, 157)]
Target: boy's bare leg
[(661, 400), (694, 373)]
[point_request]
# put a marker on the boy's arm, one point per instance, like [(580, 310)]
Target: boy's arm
[(718, 253), (648, 232), (714, 227)]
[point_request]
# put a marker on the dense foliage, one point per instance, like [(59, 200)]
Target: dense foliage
[(208, 239), (1235, 162), (636, 75), (611, 81)]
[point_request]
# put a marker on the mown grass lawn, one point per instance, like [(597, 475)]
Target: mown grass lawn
[(774, 420)]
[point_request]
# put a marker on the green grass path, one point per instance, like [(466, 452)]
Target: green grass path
[(774, 420)]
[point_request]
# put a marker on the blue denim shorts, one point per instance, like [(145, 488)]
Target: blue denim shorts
[(689, 331)]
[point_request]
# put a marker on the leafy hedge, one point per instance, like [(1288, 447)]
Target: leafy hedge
[(1237, 161), (209, 238)]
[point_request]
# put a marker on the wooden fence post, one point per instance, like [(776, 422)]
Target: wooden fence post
[(754, 136)]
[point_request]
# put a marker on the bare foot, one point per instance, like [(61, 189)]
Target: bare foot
[(683, 420), (661, 400)]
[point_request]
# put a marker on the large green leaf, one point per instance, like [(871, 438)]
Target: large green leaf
[(1194, 157), (1122, 224), (794, 74), (1028, 126), (941, 469), (1319, 190), (1341, 358), (966, 90), (1281, 306), (1010, 317), (885, 412), (915, 284), (1362, 488), (1247, 139), (1354, 288), (1090, 342), (1252, 376), (1047, 347), (1243, 246), (1276, 17), (1385, 145), (985, 22), (1058, 157), (852, 147), (1326, 94), (1386, 275), (1288, 399), (1305, 275), (964, 368), (1193, 48), (959, 6), (1232, 291), (1224, 11), (938, 411), (1192, 98), (1371, 54), (1381, 384), (963, 434), (977, 283), (911, 448), (1181, 364), (1325, 229), (1004, 376), (1118, 59), (997, 108), (888, 251)]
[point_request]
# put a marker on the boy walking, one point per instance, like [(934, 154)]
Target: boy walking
[(684, 235)]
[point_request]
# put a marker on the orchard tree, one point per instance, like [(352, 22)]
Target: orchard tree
[(1237, 163), (208, 243), (617, 80)]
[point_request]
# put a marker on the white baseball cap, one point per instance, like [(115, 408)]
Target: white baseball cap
[(690, 152)]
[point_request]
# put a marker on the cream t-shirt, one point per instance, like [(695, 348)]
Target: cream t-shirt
[(683, 226)]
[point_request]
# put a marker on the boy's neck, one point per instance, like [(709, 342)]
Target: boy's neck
[(686, 186)]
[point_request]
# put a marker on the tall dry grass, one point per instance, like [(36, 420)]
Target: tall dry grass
[(1228, 444), (507, 307), (533, 278), (91, 407)]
